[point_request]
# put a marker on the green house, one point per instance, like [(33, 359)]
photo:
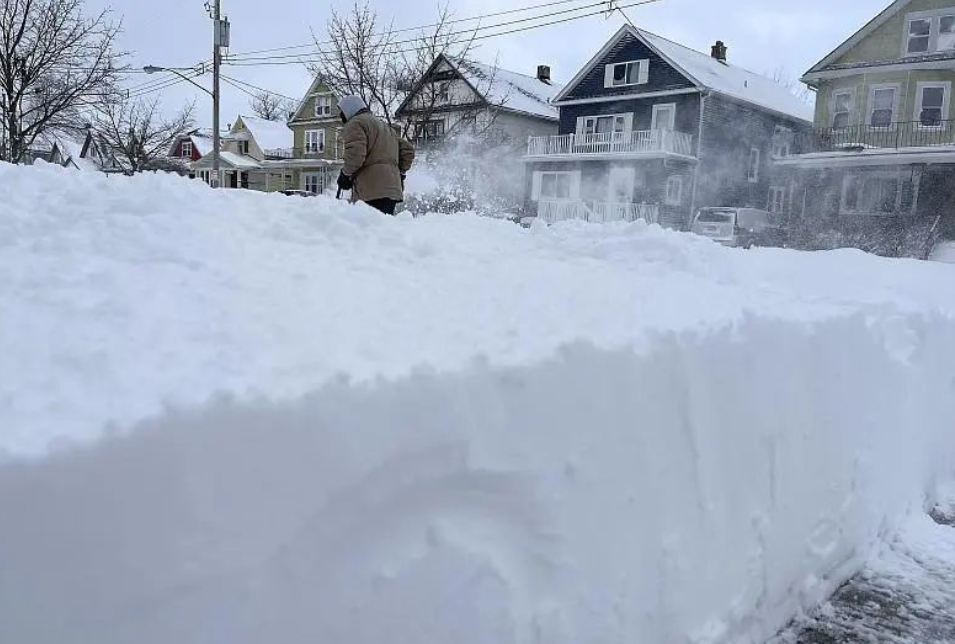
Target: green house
[(881, 159)]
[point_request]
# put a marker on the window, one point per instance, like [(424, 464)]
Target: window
[(432, 130), (674, 195), (635, 72), (920, 36), (664, 117), (311, 182), (556, 186), (444, 91), (323, 106), (930, 31), (782, 141), (931, 106), (946, 33), (841, 109), (187, 149), (314, 141), (882, 105), (777, 200), (873, 194), (610, 124), (244, 147), (752, 170)]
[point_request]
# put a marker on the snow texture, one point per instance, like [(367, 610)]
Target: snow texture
[(729, 79), (512, 91), (239, 417), (944, 252), (270, 135)]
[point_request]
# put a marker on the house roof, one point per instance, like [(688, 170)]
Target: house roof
[(312, 89), (513, 92), (270, 135), (708, 73), (238, 161), (853, 40), (507, 90)]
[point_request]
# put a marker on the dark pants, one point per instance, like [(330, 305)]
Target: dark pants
[(386, 206)]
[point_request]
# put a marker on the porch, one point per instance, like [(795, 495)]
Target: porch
[(611, 145), (553, 211)]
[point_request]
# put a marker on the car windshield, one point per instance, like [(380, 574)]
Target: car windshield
[(715, 216)]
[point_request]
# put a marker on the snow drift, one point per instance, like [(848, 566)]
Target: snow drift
[(230, 417)]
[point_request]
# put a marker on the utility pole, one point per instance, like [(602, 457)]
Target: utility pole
[(221, 37)]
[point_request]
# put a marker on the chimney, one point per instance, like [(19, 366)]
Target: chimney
[(543, 74), (719, 51)]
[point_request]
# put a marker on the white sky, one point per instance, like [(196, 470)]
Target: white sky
[(762, 35)]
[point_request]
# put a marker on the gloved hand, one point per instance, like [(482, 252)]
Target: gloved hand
[(345, 182)]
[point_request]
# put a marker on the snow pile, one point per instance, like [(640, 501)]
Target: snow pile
[(245, 418)]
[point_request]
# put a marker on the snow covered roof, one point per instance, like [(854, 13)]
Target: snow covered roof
[(512, 91), (202, 141), (270, 135), (729, 79), (228, 158), (708, 73)]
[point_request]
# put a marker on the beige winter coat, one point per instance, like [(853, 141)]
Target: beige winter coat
[(375, 158)]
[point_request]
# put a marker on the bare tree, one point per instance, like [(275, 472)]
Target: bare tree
[(365, 57), (53, 63), (138, 135), (271, 107), (794, 85)]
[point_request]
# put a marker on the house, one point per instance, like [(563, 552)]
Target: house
[(457, 96), (191, 147), (652, 129), (82, 152), (881, 159), (303, 154), (471, 122), (317, 147)]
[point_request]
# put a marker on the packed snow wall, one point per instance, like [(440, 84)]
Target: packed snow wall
[(565, 435)]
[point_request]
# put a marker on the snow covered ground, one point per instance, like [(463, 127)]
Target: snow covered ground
[(242, 418), (904, 595), (944, 252)]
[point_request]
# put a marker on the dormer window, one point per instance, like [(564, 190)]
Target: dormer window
[(634, 72), (323, 106), (930, 32)]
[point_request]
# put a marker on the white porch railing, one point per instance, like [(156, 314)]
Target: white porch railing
[(596, 211), (638, 142)]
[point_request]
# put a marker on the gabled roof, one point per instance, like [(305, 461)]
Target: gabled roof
[(201, 141), (312, 89), (508, 91), (707, 73), (887, 13), (270, 135)]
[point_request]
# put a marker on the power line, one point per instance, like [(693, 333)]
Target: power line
[(304, 60), (260, 89), (313, 44), (473, 31)]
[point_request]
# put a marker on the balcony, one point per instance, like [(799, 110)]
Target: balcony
[(859, 138), (596, 211), (641, 143)]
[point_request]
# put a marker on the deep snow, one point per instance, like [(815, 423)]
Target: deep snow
[(243, 418)]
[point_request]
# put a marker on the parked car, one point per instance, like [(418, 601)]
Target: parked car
[(740, 227), (298, 193)]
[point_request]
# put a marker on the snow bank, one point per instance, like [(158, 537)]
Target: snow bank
[(240, 418)]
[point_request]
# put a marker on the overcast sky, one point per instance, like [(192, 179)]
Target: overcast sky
[(762, 35)]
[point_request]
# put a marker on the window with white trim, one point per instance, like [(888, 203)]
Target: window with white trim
[(874, 193), (556, 186), (882, 100), (314, 141), (311, 182), (842, 109), (244, 147), (663, 117), (752, 169), (186, 150), (782, 141), (323, 106), (612, 123), (674, 196), (777, 200), (633, 72), (931, 104), (929, 32)]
